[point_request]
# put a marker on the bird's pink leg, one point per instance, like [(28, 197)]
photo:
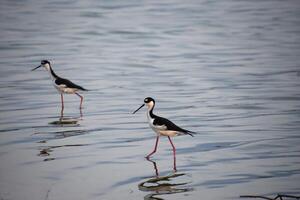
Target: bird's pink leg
[(62, 101), (81, 99), (62, 106), (174, 153), (155, 148)]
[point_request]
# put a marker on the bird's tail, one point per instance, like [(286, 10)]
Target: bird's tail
[(83, 89), (190, 133), (89, 90)]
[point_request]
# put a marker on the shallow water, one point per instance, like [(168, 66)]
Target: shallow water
[(227, 70)]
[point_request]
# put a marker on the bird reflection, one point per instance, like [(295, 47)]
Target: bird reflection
[(70, 121), (163, 185), (46, 151), (155, 166), (65, 122), (62, 113)]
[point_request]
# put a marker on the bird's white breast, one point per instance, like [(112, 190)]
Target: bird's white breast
[(150, 121), (159, 129), (64, 89)]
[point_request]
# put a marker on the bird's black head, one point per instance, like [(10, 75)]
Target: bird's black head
[(44, 62), (148, 100)]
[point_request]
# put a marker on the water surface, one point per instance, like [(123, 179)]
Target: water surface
[(227, 70)]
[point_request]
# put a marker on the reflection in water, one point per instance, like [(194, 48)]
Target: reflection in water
[(47, 150), (163, 185), (67, 120), (155, 167), (62, 134), (62, 112)]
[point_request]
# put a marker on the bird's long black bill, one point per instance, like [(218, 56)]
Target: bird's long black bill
[(36, 68), (138, 109)]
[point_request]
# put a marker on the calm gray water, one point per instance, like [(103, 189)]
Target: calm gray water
[(229, 70)]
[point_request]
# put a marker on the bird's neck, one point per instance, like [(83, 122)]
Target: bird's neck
[(150, 112), (52, 73)]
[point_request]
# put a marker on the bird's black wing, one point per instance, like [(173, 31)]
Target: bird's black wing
[(160, 121), (68, 83)]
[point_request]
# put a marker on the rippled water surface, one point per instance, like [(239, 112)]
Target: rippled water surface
[(229, 70)]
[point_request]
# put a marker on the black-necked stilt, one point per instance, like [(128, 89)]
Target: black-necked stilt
[(162, 126), (62, 85)]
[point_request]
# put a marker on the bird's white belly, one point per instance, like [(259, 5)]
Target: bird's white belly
[(168, 133), (154, 128), (150, 121), (64, 89), (161, 130)]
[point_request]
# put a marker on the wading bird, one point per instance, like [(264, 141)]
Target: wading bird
[(62, 85), (162, 126)]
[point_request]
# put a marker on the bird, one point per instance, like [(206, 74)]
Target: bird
[(162, 126), (61, 84)]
